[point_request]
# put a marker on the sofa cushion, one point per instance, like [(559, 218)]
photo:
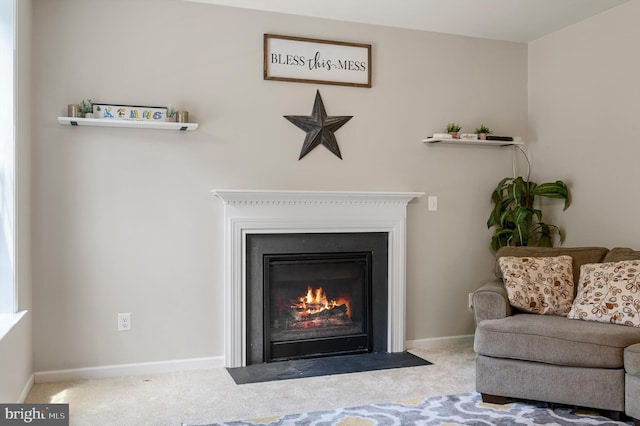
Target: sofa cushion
[(609, 292), (555, 340), (580, 255), (540, 285), (632, 360), (618, 254)]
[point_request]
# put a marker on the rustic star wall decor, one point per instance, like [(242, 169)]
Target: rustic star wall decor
[(319, 128)]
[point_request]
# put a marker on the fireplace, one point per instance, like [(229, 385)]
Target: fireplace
[(312, 295), (267, 212)]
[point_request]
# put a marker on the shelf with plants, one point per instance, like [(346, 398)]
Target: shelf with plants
[(475, 142), (139, 124), (89, 113), (481, 137)]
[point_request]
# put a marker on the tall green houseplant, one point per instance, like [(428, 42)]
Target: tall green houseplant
[(516, 220)]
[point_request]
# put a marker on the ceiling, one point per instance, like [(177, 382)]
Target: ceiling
[(510, 20)]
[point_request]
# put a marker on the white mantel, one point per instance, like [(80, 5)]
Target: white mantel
[(264, 211)]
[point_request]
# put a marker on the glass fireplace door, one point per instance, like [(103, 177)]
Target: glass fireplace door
[(316, 304)]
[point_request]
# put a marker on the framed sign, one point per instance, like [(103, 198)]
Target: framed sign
[(308, 60)]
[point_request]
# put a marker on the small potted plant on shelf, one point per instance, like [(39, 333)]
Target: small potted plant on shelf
[(483, 131), (453, 129), (171, 113), (86, 106)]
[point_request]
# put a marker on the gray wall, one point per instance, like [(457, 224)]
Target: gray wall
[(123, 220), (583, 115)]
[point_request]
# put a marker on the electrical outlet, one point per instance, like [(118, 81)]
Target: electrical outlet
[(471, 301), (124, 322)]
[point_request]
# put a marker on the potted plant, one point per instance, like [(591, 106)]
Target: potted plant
[(453, 129), (86, 106), (483, 131), (171, 113), (517, 221)]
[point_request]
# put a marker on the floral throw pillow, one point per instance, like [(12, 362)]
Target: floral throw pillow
[(609, 292), (540, 285)]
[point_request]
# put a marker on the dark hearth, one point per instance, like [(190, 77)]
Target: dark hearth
[(301, 368)]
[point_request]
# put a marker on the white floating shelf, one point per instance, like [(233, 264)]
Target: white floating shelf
[(471, 142), (108, 122)]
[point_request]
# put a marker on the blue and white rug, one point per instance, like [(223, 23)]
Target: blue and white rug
[(463, 409)]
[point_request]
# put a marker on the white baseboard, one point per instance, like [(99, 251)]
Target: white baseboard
[(26, 389), (438, 342), (128, 369)]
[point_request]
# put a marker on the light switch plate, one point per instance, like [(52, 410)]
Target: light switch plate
[(433, 203)]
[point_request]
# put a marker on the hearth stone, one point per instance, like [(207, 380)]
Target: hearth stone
[(301, 368)]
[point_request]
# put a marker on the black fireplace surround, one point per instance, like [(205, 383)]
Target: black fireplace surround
[(287, 275)]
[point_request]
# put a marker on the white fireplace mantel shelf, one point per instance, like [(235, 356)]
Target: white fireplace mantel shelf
[(265, 211), (231, 196)]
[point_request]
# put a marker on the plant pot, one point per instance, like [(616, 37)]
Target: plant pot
[(73, 110), (88, 115), (454, 135), (483, 136), (182, 116), (170, 119)]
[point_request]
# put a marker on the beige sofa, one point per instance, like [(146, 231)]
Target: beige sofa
[(553, 358)]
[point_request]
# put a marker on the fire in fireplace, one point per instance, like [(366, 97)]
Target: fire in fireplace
[(328, 316), (315, 316), (314, 311), (313, 295)]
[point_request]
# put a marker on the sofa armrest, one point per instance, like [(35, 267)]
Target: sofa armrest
[(632, 381), (491, 302)]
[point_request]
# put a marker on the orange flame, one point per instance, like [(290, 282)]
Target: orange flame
[(316, 301)]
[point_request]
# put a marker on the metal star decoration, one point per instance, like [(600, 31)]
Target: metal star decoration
[(319, 128)]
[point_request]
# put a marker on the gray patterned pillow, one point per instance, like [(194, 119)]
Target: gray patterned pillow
[(609, 292), (540, 285)]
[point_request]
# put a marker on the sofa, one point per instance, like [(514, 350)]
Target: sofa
[(555, 358)]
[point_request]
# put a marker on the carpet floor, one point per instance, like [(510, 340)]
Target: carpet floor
[(208, 396), (462, 409)]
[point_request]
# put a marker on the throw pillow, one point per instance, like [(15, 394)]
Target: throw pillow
[(540, 285), (609, 292)]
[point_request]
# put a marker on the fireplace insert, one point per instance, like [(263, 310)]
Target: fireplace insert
[(311, 295), (316, 304)]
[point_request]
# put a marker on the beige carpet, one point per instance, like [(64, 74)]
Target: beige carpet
[(206, 396)]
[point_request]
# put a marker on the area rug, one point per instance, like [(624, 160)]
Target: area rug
[(463, 409)]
